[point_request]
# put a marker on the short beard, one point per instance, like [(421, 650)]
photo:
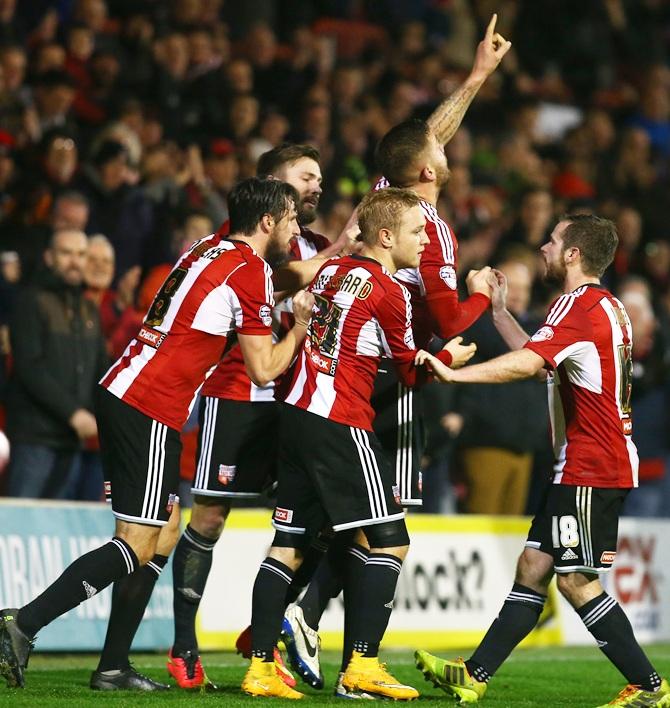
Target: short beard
[(275, 255), (306, 216), (553, 277)]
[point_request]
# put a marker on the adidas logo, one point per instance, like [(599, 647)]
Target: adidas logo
[(601, 643), (389, 605), (89, 589), (569, 555), (189, 593)]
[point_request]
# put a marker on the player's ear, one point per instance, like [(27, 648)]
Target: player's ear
[(427, 174), (267, 223), (385, 237)]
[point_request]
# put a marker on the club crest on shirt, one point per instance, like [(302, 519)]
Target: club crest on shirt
[(265, 313), (226, 473), (448, 274), (542, 334)]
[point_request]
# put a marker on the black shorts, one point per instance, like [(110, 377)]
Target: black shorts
[(399, 428), (140, 459), (237, 448), (330, 473), (578, 526)]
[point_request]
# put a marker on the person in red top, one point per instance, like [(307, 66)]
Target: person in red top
[(585, 346), (238, 427), (332, 469), (218, 287)]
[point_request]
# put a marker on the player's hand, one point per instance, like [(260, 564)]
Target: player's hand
[(460, 353), (439, 370), (303, 302), (84, 424), (498, 283), (490, 52), (478, 281)]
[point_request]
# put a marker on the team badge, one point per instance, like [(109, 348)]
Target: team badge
[(542, 334), (396, 493), (448, 274), (172, 500), (265, 313), (608, 557), (108, 491), (226, 473), (420, 482)]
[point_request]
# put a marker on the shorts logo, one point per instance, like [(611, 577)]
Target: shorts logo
[(542, 334), (448, 274), (226, 473), (409, 339), (569, 555), (285, 515), (172, 500), (108, 490), (265, 313), (396, 493), (420, 482), (608, 557)]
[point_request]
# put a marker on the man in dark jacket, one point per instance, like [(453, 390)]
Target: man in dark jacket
[(58, 357)]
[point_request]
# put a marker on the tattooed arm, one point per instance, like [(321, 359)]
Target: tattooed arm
[(446, 118)]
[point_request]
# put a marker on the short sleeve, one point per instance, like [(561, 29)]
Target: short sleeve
[(565, 331)]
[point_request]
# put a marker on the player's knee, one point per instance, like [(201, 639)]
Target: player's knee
[(389, 534), (208, 517), (299, 542)]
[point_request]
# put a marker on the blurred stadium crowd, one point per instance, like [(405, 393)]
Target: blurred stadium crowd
[(130, 121)]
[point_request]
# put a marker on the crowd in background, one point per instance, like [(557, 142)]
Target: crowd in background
[(125, 123)]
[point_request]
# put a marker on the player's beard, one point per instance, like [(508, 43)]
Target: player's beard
[(555, 273), (307, 210), (275, 253), (441, 175)]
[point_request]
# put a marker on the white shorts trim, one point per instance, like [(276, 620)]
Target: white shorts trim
[(368, 522)]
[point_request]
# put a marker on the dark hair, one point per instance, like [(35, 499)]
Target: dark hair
[(251, 199), (595, 237), (397, 152), (383, 209), (285, 154)]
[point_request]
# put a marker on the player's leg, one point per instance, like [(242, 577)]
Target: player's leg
[(233, 461), (130, 597), (142, 487), (297, 518), (517, 618), (591, 534)]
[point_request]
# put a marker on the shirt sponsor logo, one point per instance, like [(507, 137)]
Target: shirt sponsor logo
[(448, 274), (151, 337), (285, 515), (542, 334), (226, 473), (608, 557), (265, 313)]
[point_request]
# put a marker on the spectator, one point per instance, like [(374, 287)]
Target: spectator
[(119, 209), (497, 448), (59, 356)]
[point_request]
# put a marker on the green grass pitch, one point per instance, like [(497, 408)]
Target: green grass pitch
[(550, 677)]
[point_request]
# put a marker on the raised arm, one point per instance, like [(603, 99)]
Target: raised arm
[(508, 328), (447, 117)]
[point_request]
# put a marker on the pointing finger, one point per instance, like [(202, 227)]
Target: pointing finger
[(492, 26)]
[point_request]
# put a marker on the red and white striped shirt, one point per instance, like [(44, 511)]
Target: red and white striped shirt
[(586, 341), (435, 305), (217, 287), (361, 314), (230, 379)]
